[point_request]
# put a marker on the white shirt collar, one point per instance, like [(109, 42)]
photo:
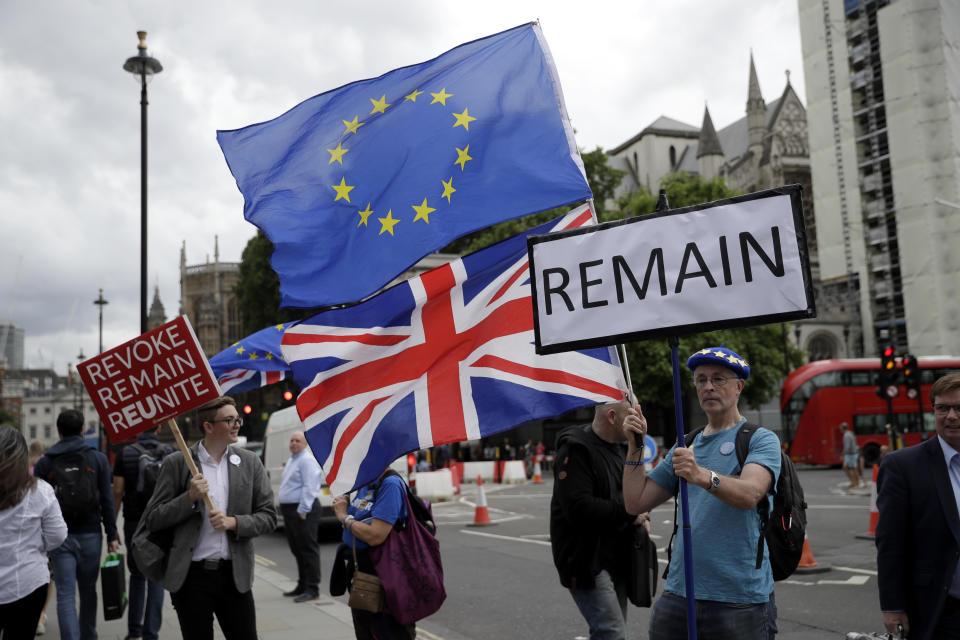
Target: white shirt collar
[(948, 451)]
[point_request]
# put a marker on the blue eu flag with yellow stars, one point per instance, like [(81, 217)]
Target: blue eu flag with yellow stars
[(355, 185), (255, 361)]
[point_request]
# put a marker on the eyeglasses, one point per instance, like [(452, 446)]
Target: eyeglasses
[(944, 409), (717, 381), (238, 422)]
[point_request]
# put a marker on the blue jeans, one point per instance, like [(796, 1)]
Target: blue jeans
[(604, 608), (76, 565), (143, 618), (715, 620)]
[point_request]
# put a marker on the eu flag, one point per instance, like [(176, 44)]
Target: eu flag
[(356, 184), (255, 361)]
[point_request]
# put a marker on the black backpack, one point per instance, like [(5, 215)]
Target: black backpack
[(74, 479), (421, 508), (783, 527), (148, 468)]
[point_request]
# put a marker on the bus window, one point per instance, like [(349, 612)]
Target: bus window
[(870, 424), (862, 378)]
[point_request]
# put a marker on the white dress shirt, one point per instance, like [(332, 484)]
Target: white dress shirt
[(300, 482), (27, 532), (213, 543)]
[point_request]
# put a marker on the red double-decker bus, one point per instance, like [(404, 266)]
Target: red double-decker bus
[(818, 396)]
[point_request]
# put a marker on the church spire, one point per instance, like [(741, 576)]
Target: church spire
[(756, 111), (709, 142)]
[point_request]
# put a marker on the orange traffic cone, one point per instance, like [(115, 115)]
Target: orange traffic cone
[(482, 515), (807, 562), (537, 477), (874, 512)]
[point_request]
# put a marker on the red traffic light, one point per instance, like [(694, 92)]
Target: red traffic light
[(288, 395), (247, 409), (888, 352), (411, 461)]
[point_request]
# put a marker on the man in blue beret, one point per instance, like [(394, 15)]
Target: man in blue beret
[(732, 594)]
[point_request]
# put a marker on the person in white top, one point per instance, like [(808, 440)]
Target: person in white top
[(30, 525)]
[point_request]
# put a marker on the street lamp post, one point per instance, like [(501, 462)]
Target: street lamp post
[(143, 65), (100, 301)]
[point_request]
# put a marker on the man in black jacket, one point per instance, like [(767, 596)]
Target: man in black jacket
[(589, 528)]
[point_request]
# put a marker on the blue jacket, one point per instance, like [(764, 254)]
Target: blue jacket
[(106, 513)]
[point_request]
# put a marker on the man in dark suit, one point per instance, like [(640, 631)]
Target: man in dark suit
[(918, 532), (210, 565)]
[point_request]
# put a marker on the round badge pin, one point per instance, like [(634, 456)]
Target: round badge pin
[(726, 448)]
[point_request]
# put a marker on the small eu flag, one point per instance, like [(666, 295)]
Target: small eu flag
[(356, 184), (255, 361)]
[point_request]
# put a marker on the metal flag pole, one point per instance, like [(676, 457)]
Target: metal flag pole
[(674, 342)]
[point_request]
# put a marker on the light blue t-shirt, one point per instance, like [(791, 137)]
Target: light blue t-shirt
[(390, 505), (724, 537)]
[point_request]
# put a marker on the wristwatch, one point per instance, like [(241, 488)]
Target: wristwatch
[(714, 482)]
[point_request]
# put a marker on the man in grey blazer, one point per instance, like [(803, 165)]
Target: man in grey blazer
[(210, 563)]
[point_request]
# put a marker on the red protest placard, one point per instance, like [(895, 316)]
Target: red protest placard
[(157, 376)]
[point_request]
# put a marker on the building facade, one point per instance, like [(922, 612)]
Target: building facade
[(11, 347), (883, 99), (766, 148), (208, 299)]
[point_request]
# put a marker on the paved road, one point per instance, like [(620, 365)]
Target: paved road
[(501, 581)]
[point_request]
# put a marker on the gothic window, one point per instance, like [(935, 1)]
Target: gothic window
[(822, 346)]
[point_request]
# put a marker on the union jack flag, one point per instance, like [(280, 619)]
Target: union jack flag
[(250, 363), (447, 356)]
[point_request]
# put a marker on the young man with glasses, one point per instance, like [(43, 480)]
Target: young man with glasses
[(918, 489), (210, 566), (732, 594)]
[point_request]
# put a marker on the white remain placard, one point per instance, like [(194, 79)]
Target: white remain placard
[(732, 264)]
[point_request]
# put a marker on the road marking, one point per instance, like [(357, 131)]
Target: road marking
[(494, 535), (426, 634), (854, 581), (869, 572), (267, 562)]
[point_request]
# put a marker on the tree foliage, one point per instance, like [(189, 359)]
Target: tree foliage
[(8, 418), (258, 288)]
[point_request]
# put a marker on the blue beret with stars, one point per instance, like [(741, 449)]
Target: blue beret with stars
[(720, 356)]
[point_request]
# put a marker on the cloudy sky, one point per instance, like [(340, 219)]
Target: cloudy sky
[(70, 157)]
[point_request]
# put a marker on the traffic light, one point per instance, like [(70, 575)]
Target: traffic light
[(247, 409), (911, 375), (888, 373), (287, 395)]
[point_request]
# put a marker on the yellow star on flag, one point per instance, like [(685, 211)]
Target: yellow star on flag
[(269, 356), (380, 106), (364, 214), (387, 224), (412, 97), (336, 155), (280, 327), (463, 119), (462, 156), (342, 189), (240, 350), (448, 189), (352, 125), (423, 211), (441, 97), (253, 356)]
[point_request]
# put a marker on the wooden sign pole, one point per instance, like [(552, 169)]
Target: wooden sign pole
[(172, 424)]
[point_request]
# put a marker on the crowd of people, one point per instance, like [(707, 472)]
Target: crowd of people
[(203, 512)]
